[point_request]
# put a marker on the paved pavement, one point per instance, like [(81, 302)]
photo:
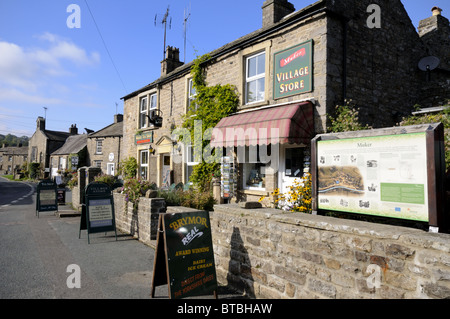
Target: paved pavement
[(36, 254)]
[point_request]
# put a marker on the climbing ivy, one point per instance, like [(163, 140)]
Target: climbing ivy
[(211, 104), (346, 119)]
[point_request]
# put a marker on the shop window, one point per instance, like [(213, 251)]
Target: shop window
[(254, 170), (255, 77), (294, 162), (143, 164)]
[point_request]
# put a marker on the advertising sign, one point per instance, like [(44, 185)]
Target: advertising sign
[(98, 216), (144, 138), (185, 258), (393, 172), (293, 71), (47, 199)]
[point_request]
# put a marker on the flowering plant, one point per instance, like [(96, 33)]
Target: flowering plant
[(133, 188), (297, 199)]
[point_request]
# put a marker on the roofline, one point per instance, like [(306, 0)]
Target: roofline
[(239, 43)]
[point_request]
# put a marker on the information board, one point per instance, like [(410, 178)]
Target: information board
[(397, 174), (98, 215), (184, 257), (46, 199)]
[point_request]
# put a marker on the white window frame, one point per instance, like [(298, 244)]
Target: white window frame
[(260, 74), (143, 112), (192, 93), (98, 146), (190, 161), (142, 164), (147, 105)]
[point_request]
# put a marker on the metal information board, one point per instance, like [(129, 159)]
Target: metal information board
[(47, 199), (184, 257), (98, 215)]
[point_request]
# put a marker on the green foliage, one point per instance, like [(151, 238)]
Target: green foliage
[(346, 119), (202, 200), (442, 117), (107, 179), (128, 167), (73, 180), (12, 140), (211, 104), (134, 188), (34, 170)]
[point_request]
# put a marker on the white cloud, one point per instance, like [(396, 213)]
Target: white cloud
[(29, 69)]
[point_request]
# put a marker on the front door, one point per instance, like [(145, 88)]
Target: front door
[(166, 172), (110, 169), (291, 166)]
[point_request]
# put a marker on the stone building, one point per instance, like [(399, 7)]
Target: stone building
[(104, 146), (44, 142), (12, 159), (70, 156), (290, 74)]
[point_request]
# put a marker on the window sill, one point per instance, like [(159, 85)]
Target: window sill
[(254, 192), (254, 105)]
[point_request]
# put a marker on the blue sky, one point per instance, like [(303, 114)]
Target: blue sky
[(44, 63)]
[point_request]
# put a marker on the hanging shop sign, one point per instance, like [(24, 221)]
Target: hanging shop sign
[(144, 138), (394, 175), (184, 256), (98, 215), (47, 199), (293, 71)]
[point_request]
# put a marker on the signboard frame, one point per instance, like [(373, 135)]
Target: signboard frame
[(98, 214), (433, 167), (46, 204), (298, 75), (184, 257)]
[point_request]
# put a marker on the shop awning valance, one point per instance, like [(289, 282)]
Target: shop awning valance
[(288, 124)]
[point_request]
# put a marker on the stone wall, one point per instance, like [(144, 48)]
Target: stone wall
[(142, 222), (267, 254)]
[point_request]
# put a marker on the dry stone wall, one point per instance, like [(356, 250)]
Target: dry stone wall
[(268, 254)]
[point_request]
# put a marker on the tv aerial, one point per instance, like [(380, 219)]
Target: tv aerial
[(428, 64), (164, 21)]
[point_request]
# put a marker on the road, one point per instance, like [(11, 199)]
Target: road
[(36, 254)]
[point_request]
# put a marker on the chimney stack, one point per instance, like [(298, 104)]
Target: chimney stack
[(40, 123), (118, 118), (73, 129), (172, 60), (275, 10)]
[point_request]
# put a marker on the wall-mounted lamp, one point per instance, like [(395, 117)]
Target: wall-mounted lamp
[(151, 150), (175, 148)]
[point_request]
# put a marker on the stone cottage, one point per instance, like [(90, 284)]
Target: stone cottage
[(70, 156), (290, 74), (12, 159), (44, 142), (104, 146)]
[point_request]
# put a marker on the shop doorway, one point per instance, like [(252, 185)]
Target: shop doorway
[(291, 166)]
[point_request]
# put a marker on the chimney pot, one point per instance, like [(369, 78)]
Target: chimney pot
[(436, 11)]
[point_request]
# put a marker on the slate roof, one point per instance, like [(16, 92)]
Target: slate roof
[(14, 150), (56, 135), (73, 145), (113, 130)]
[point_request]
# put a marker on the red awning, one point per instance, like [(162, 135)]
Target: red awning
[(289, 124)]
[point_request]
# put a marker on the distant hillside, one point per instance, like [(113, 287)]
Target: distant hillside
[(12, 140)]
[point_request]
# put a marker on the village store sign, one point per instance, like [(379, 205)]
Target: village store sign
[(293, 71)]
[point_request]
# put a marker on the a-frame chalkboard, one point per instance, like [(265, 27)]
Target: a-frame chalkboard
[(98, 210), (46, 199), (184, 258)]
